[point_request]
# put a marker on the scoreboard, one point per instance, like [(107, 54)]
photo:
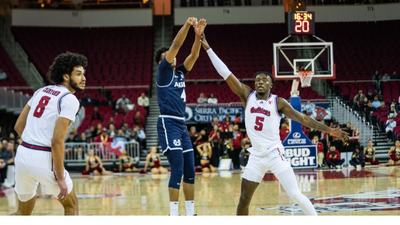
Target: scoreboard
[(301, 23)]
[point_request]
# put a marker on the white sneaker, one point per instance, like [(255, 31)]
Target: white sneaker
[(338, 167), (7, 185)]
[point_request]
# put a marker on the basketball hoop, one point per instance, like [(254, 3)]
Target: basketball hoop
[(305, 77)]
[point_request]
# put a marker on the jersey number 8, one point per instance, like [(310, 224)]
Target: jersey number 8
[(39, 110)]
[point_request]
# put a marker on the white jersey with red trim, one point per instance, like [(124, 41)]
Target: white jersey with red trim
[(262, 124), (47, 105)]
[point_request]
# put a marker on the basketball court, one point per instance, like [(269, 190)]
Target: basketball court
[(301, 57), (372, 191)]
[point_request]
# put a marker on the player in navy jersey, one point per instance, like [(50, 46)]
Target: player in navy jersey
[(171, 126), (263, 113)]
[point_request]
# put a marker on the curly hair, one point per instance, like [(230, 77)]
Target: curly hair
[(64, 64), (159, 52)]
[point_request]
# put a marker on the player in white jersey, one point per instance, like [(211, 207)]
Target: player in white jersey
[(43, 125), (262, 110)]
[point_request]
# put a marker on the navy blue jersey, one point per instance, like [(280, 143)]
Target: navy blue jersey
[(171, 89)]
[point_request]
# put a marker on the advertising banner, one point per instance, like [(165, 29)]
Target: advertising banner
[(198, 113)]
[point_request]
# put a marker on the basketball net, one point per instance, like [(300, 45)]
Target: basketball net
[(305, 78)]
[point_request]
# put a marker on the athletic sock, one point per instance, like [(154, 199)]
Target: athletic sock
[(173, 209), (189, 208)]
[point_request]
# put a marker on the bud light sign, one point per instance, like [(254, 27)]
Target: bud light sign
[(299, 150)]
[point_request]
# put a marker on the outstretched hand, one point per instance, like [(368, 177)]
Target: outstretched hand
[(192, 21), (200, 26), (337, 132), (204, 42)]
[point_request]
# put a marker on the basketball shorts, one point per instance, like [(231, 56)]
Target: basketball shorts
[(173, 135), (32, 167), (257, 166)]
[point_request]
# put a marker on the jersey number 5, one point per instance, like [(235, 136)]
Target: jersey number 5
[(259, 123), (39, 110)]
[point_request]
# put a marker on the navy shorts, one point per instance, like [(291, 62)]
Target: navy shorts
[(173, 135)]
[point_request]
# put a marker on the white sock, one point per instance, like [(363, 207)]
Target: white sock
[(173, 209), (189, 208)]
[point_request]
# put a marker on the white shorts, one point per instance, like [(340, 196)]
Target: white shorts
[(257, 166), (33, 167)]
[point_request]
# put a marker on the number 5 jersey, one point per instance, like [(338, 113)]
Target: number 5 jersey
[(262, 122)]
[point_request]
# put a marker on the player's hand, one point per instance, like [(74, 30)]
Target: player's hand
[(192, 21), (200, 26), (338, 133), (204, 42), (63, 190)]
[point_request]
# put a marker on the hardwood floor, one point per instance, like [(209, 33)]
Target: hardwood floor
[(372, 191)]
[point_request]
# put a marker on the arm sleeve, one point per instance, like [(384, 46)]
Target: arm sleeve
[(69, 106), (218, 64)]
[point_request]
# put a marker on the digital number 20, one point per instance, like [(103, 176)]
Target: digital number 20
[(39, 110), (259, 123), (302, 26)]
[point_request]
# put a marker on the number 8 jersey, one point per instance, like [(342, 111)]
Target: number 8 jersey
[(262, 124), (47, 105)]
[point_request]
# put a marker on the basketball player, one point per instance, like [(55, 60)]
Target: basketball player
[(43, 125), (263, 113), (172, 131)]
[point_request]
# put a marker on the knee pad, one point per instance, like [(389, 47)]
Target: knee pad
[(188, 176), (26, 197), (188, 170), (175, 160), (176, 177)]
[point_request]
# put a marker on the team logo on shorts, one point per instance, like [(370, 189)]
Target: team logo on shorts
[(177, 142)]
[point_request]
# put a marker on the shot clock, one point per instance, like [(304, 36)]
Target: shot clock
[(301, 22)]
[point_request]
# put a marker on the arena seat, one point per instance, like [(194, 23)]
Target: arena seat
[(14, 77), (117, 56)]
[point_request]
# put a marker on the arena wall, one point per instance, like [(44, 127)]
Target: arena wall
[(214, 15)]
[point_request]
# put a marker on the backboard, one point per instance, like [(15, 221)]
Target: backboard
[(290, 57)]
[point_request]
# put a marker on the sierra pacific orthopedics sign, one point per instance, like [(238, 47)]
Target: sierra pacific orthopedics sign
[(205, 113)]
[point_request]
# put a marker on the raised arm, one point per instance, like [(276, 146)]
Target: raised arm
[(287, 109), (236, 86), (194, 54), (179, 39)]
